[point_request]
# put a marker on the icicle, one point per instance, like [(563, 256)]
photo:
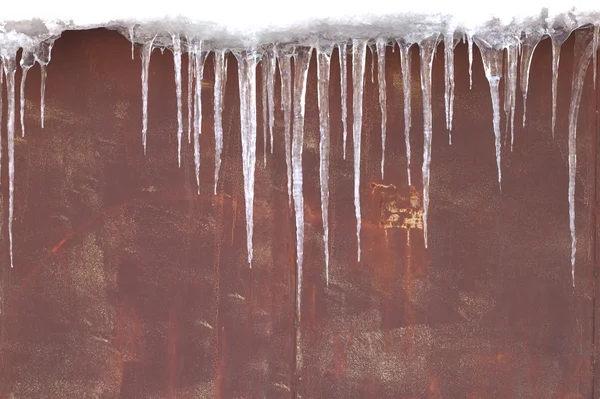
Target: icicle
[(271, 71), (323, 71), (264, 106), (285, 70), (247, 85), (43, 56), (10, 67), (405, 66), (359, 53), (190, 91), (595, 49), (557, 38), (132, 40), (219, 96), (449, 80), (373, 49), (343, 53), (470, 46), (527, 48), (381, 48), (27, 61), (177, 66), (583, 53), (199, 65), (510, 88), (301, 64), (492, 63), (1, 107), (145, 53), (427, 49)]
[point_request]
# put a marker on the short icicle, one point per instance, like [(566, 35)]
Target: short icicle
[(43, 56), (359, 53), (582, 54), (323, 72), (27, 61), (492, 63), (470, 49), (1, 108), (449, 80), (301, 64), (427, 51), (557, 38), (381, 49), (285, 70), (271, 71), (528, 46), (10, 67), (178, 91), (199, 73), (145, 54), (132, 40), (405, 66), (219, 97), (247, 61), (343, 54), (595, 49), (510, 89)]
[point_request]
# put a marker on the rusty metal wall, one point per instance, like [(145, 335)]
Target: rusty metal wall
[(129, 285)]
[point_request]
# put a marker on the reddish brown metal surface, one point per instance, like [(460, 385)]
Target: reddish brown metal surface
[(127, 284)]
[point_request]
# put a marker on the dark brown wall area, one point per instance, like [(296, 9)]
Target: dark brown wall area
[(127, 284)]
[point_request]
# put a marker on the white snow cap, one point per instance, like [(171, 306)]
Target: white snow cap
[(244, 23)]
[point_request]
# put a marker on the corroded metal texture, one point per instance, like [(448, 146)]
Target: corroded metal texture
[(127, 284)]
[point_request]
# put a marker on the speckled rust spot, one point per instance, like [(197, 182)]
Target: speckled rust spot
[(397, 211)]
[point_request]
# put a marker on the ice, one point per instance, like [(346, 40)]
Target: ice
[(584, 47), (323, 72), (528, 46), (200, 56), (132, 40), (10, 67), (381, 48), (271, 61), (373, 48), (427, 49), (145, 54), (301, 64), (264, 107), (190, 92), (470, 49), (219, 96), (359, 53), (595, 49), (285, 70), (343, 54), (27, 61), (557, 37), (247, 61), (492, 64), (1, 108), (510, 88), (177, 66), (43, 55), (449, 80), (405, 66)]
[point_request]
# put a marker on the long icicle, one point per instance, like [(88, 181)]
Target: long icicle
[(359, 54), (27, 61), (492, 64), (301, 64), (178, 91), (43, 56), (427, 49), (470, 49), (1, 108), (285, 70), (219, 96), (583, 53), (381, 48), (449, 79), (190, 90), (10, 67), (343, 53), (510, 92), (263, 75), (145, 54), (199, 64), (323, 72), (405, 66)]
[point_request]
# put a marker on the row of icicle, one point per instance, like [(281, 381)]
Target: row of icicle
[(499, 60)]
